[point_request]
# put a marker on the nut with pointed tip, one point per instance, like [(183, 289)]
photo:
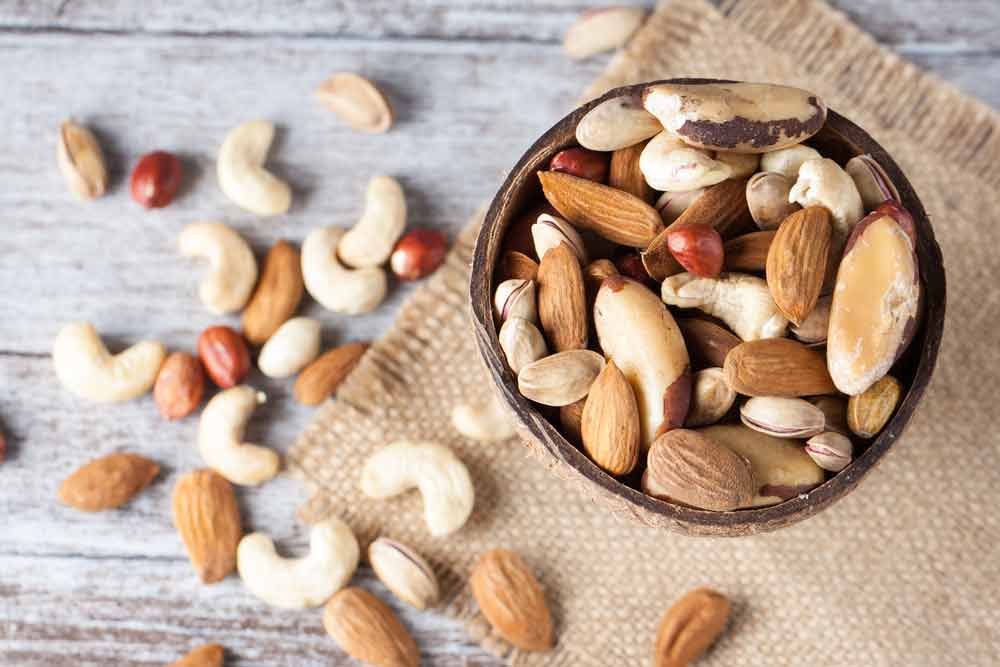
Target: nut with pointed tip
[(830, 450), (767, 199), (602, 29), (335, 286), (277, 295), (609, 425), (418, 254), (443, 480), (708, 343), (522, 343), (86, 368), (356, 101), (371, 240), (788, 160), (560, 379), (233, 268), (874, 185), (298, 583), (365, 628), (512, 600), (404, 572), (107, 482), (748, 252), (671, 165), (869, 411), (624, 173), (616, 123), (777, 367), (486, 422), (711, 398), (562, 299), (689, 627), (550, 231), (292, 347), (321, 378), (689, 467), (581, 162), (209, 655), (697, 248), (81, 161), (516, 297), (814, 327), (783, 417), (742, 301), (797, 260), (220, 438), (225, 356), (241, 172), (208, 520), (516, 264)]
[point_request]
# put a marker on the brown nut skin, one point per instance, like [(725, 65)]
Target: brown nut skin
[(796, 262), (707, 343), (777, 367), (689, 467), (689, 627), (698, 248), (624, 173), (748, 252), (107, 482), (516, 264), (367, 629), (869, 412), (156, 179), (629, 264), (208, 521), (277, 295), (512, 600), (582, 162), (179, 386), (321, 378), (209, 655), (225, 356), (418, 254)]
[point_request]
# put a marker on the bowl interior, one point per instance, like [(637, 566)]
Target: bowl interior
[(840, 139)]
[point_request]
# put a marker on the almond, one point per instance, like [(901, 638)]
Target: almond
[(107, 482), (613, 214), (321, 378), (512, 600), (689, 627), (688, 467), (707, 342), (722, 206), (610, 423), (366, 629), (562, 299), (625, 174), (209, 655), (277, 295), (571, 418), (777, 367), (515, 264), (209, 523), (748, 252), (796, 262), (180, 385)]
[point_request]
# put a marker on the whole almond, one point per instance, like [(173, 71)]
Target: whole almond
[(225, 356), (610, 423), (689, 627), (321, 378), (777, 367), (277, 295), (707, 342), (515, 264), (796, 262), (571, 419), (107, 482), (748, 252), (81, 161), (625, 174), (512, 600), (613, 214), (688, 467), (560, 379), (208, 520), (562, 299), (356, 101), (180, 385), (209, 655), (869, 412), (366, 629)]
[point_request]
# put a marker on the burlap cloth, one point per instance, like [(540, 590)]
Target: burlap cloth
[(904, 571)]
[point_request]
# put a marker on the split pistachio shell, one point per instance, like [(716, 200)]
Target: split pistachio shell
[(711, 398), (868, 413), (404, 572), (788, 160), (670, 205), (742, 301), (814, 328), (550, 231), (783, 417), (616, 123), (874, 185), (561, 378), (522, 343), (516, 298), (668, 164), (830, 450), (767, 199)]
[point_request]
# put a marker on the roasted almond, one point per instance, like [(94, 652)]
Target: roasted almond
[(689, 627), (748, 252), (515, 264), (208, 519), (321, 378), (625, 174), (512, 600), (277, 295), (796, 262), (209, 655), (688, 467), (610, 423), (108, 482), (562, 299), (613, 214), (707, 342), (366, 629), (777, 367)]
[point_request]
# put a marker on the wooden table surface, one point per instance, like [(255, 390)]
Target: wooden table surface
[(473, 82)]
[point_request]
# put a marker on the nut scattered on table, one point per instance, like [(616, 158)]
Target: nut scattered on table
[(320, 379), (404, 572), (220, 438), (367, 629), (107, 482), (418, 254), (179, 385), (689, 627), (156, 179), (602, 29), (208, 520), (209, 655), (81, 161), (512, 600), (241, 172), (357, 101), (277, 295), (225, 356)]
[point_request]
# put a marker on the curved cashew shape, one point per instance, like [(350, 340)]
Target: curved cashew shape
[(220, 438), (85, 367), (485, 422), (241, 172), (336, 287), (230, 282), (297, 583), (443, 480), (371, 240)]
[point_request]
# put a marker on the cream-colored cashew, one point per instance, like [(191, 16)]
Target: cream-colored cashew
[(668, 164), (742, 301), (336, 287), (297, 583), (371, 240), (443, 480), (485, 422), (291, 348), (228, 285), (788, 160), (85, 367), (823, 183), (220, 438), (241, 171)]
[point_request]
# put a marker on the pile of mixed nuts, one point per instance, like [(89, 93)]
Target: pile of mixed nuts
[(701, 202)]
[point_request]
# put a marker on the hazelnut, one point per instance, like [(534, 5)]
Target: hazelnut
[(418, 254), (225, 356), (156, 179)]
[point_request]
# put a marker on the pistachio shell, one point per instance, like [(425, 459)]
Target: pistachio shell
[(783, 417)]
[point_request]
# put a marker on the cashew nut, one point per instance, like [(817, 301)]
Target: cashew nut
[(242, 176), (291, 348), (788, 160), (823, 183), (485, 422), (336, 287), (668, 163), (297, 583), (220, 438), (443, 480), (742, 301), (230, 282), (85, 367), (371, 240)]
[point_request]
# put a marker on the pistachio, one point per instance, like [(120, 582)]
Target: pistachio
[(561, 378), (670, 205), (874, 185), (521, 342), (788, 160), (783, 417), (830, 450), (711, 398), (669, 164), (81, 161), (813, 329), (767, 199), (550, 231), (516, 297), (869, 412), (404, 572)]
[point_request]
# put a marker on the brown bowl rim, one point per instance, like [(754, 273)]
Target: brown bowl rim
[(539, 433)]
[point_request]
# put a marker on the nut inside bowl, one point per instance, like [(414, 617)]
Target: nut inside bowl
[(504, 230)]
